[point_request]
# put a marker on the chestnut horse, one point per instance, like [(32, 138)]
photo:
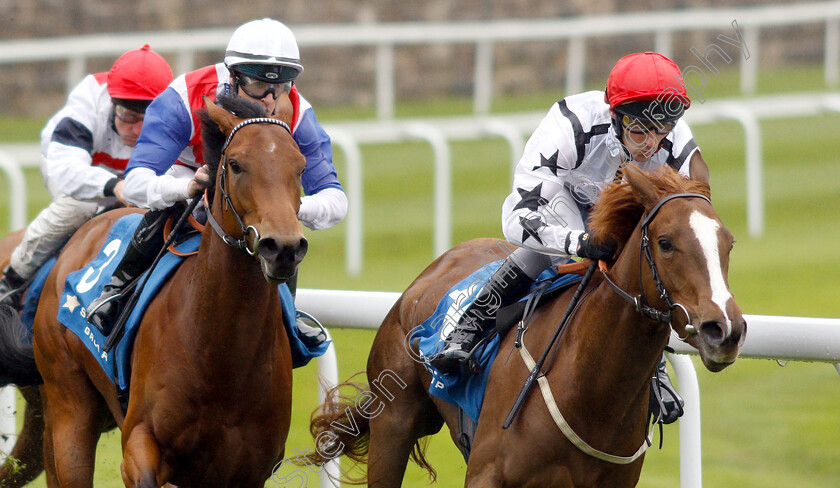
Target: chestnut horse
[(599, 371), (211, 377)]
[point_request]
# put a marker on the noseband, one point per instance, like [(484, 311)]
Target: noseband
[(243, 243), (639, 302)]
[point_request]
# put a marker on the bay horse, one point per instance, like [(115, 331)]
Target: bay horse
[(211, 372), (599, 371)]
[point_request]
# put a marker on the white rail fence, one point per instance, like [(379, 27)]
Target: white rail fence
[(484, 35), (512, 128), (769, 337)]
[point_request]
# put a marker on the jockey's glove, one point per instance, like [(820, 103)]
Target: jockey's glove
[(594, 250), (200, 181)]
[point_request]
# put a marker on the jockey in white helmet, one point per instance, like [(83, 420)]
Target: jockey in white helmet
[(261, 63)]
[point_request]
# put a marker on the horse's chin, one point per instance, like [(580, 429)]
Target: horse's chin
[(716, 361), (714, 366), (276, 276)]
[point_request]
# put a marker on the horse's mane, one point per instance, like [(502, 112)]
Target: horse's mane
[(618, 209), (212, 135)]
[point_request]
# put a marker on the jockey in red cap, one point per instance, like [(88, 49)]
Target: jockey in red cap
[(578, 148), (84, 150)]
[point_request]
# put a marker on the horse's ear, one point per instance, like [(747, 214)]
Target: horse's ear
[(284, 110), (698, 169), (226, 120), (645, 191)]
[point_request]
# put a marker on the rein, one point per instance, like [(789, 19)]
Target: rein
[(241, 244)]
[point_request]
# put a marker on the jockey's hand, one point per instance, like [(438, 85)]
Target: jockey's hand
[(201, 180), (594, 250), (118, 192)]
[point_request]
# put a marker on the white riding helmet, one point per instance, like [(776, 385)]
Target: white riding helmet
[(264, 49)]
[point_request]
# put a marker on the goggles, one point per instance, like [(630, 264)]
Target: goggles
[(259, 89), (128, 116), (640, 126)]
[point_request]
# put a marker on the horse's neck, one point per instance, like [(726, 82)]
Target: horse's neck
[(236, 307), (614, 345)]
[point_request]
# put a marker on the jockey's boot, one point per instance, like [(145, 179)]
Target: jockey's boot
[(11, 288), (311, 337), (504, 287), (664, 398), (142, 249)]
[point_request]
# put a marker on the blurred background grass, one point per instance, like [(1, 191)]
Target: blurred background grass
[(763, 425)]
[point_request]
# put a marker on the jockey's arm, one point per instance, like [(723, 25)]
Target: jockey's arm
[(67, 145), (166, 132), (325, 203), (69, 166), (540, 213)]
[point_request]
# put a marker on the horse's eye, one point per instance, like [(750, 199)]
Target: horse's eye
[(666, 245), (732, 246), (234, 166)]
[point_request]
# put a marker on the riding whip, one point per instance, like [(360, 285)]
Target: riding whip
[(535, 372), (117, 332)]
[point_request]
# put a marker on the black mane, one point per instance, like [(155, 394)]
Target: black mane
[(212, 135)]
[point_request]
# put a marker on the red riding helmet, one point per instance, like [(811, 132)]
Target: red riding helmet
[(141, 74), (647, 77)]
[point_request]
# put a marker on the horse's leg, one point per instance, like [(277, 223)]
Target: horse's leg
[(26, 460), (74, 418), (141, 459), (408, 414), (49, 455)]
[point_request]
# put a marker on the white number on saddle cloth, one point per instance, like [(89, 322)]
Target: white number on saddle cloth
[(86, 283)]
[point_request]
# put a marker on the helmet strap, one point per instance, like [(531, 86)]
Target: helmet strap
[(112, 119)]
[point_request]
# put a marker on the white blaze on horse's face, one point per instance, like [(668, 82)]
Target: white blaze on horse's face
[(706, 230)]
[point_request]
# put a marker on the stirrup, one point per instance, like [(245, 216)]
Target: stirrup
[(665, 410), (309, 341)]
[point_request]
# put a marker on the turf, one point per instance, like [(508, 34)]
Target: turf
[(763, 425)]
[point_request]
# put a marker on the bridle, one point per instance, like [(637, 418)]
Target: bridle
[(242, 244), (639, 302)]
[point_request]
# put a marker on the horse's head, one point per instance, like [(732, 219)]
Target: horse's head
[(258, 169), (684, 260)]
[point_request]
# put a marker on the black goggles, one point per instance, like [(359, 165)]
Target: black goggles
[(642, 126), (259, 89)]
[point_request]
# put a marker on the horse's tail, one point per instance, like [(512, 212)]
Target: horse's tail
[(340, 429), (17, 357)]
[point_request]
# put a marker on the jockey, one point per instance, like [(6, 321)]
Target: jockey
[(84, 149), (261, 64), (576, 150)]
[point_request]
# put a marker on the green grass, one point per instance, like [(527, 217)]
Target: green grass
[(763, 425)]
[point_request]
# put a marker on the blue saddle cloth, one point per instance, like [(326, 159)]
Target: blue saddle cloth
[(84, 285), (467, 392)]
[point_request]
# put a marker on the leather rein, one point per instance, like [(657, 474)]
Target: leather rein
[(242, 244)]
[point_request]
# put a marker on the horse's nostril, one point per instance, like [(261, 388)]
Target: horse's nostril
[(712, 331), (303, 246), (268, 248)]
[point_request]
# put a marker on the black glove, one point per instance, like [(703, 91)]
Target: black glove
[(589, 248)]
